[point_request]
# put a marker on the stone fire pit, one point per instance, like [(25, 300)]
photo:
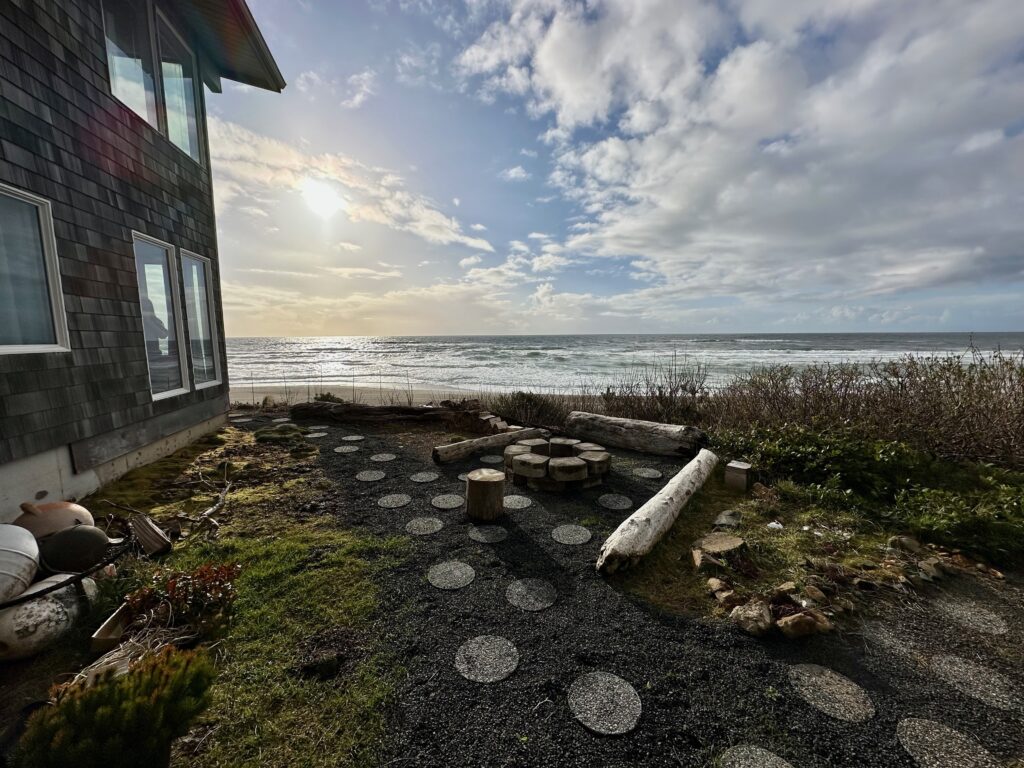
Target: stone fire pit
[(558, 464)]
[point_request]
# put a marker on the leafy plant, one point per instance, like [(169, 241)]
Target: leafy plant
[(120, 722), (201, 598)]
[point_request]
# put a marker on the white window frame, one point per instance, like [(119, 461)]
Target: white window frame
[(51, 264), (159, 15), (174, 275), (214, 335)]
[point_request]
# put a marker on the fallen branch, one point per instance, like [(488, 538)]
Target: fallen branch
[(639, 532), (453, 451), (643, 436)]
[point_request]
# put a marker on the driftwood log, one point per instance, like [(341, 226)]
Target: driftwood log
[(457, 418), (643, 436), (454, 451), (485, 494), (639, 532)]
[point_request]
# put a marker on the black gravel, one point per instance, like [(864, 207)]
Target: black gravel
[(704, 686)]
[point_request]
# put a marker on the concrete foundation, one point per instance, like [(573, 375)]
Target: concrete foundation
[(50, 476)]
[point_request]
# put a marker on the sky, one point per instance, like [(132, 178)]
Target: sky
[(653, 166)]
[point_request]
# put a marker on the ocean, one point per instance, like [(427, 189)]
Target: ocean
[(559, 363)]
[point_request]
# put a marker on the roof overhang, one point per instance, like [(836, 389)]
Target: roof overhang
[(232, 45)]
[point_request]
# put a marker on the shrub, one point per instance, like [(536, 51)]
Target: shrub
[(201, 598), (120, 722)]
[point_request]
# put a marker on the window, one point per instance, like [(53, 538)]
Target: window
[(178, 73), (130, 56), (158, 303), (31, 303), (199, 316), (136, 52)]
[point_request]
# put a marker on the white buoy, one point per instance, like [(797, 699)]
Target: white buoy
[(19, 560), (31, 627)]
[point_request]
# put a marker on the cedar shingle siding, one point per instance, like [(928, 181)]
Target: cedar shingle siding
[(106, 172)]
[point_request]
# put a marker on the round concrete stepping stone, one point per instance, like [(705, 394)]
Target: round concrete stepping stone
[(315, 435), (747, 756), (972, 616), (573, 535), (515, 501), (353, 438), (487, 534), (464, 476), (394, 500), (346, 449), (979, 682), (605, 703), (615, 501), (240, 421), (486, 659), (280, 421), (934, 745), (383, 457), (531, 594), (648, 473), (370, 476), (453, 574), (833, 694), (448, 501), (424, 477), (492, 459), (423, 526)]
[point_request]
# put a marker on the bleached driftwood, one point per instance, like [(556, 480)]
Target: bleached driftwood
[(454, 451), (644, 436), (639, 532)]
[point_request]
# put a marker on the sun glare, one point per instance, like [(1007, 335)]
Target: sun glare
[(322, 198)]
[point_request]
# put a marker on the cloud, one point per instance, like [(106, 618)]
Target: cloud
[(470, 261), (311, 83), (253, 210), (516, 173), (345, 246), (766, 154), (246, 163), (361, 86), (550, 262), (528, 152), (538, 236), (456, 202), (478, 227), (364, 273), (419, 65)]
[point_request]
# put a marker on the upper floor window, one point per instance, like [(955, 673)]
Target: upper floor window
[(32, 315), (140, 43)]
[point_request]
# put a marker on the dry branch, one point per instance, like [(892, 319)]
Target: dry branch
[(454, 451)]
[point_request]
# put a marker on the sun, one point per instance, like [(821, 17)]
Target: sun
[(322, 198)]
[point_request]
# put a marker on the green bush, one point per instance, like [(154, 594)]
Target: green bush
[(120, 722)]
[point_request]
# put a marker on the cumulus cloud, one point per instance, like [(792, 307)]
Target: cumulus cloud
[(250, 164), (810, 152), (515, 173), (478, 227), (470, 261)]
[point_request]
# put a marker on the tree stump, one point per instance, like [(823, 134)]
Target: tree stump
[(561, 446), (598, 462), (566, 468), (512, 451), (537, 445), (485, 494), (530, 465)]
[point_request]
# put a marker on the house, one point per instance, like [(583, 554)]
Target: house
[(111, 341)]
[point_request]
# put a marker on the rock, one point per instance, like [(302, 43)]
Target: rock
[(865, 584), (824, 625), (798, 625), (728, 519), (721, 543), (785, 588), (847, 605), (754, 618), (930, 568), (906, 543), (775, 525), (815, 594), (717, 585)]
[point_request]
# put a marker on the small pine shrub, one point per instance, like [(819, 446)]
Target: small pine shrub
[(120, 722)]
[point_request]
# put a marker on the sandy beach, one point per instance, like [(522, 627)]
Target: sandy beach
[(254, 394)]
